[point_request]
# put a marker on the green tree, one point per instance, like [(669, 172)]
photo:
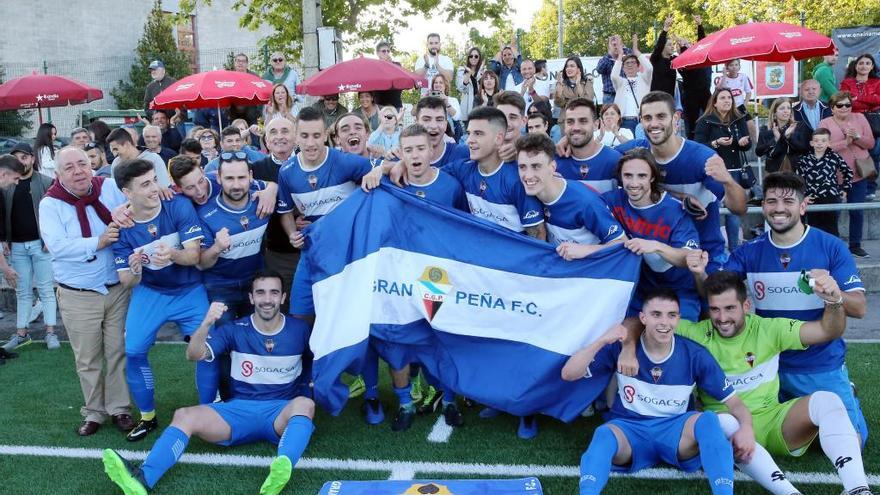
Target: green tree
[(157, 42), (13, 122), (366, 22)]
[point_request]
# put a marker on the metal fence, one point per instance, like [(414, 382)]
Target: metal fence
[(105, 72)]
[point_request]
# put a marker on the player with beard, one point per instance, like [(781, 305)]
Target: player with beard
[(191, 181), (591, 162), (650, 420), (747, 347), (659, 230), (691, 172), (779, 259), (270, 387)]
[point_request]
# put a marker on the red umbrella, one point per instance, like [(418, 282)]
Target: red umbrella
[(759, 41), (44, 90), (360, 74)]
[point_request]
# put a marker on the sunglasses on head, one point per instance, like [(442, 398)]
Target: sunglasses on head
[(278, 60), (229, 156), (842, 105), (91, 146)]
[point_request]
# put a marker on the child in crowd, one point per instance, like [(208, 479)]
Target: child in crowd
[(387, 137), (822, 170)]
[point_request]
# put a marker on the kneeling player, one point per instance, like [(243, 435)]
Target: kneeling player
[(269, 384), (650, 418)]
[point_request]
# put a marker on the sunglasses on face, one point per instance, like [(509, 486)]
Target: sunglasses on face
[(331, 98), (388, 117), (842, 105), (473, 55), (278, 60), (230, 156), (205, 137)]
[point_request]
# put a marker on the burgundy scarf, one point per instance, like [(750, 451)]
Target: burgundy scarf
[(60, 193)]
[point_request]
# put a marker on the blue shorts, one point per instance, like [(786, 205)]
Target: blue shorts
[(250, 420), (654, 441), (689, 307), (149, 309), (793, 385), (301, 300)]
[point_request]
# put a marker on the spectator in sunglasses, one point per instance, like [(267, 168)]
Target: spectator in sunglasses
[(385, 140), (280, 72), (331, 108)]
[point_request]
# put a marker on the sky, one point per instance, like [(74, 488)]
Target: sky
[(419, 27)]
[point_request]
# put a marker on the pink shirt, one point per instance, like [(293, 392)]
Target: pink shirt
[(856, 149)]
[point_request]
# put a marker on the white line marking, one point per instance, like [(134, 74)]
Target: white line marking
[(399, 473), (441, 431), (402, 467)]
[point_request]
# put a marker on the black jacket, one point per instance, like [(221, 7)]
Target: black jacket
[(710, 128), (695, 84), (775, 151), (664, 76)]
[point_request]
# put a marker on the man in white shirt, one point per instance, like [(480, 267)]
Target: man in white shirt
[(122, 146), (433, 63), (76, 226), (531, 88)]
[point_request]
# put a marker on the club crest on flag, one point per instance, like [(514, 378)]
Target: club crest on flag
[(656, 373), (435, 285), (244, 222), (428, 489), (313, 181)]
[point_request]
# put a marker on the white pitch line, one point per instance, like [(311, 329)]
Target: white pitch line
[(441, 431), (403, 467), (400, 473)]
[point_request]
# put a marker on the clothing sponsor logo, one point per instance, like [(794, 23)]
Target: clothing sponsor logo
[(265, 370), (435, 285), (119, 260), (762, 290), (654, 400), (323, 202), (758, 375), (641, 227), (853, 279), (723, 482), (629, 393), (777, 476), (193, 230), (692, 244), (247, 368), (841, 461), (531, 214), (612, 230)]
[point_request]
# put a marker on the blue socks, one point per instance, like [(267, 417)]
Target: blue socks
[(165, 452), (139, 375), (295, 438), (370, 372), (596, 461), (716, 453), (207, 380), (403, 396)]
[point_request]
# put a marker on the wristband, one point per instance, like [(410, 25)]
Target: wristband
[(838, 303)]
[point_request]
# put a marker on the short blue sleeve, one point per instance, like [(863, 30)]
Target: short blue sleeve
[(220, 339), (605, 362), (684, 234), (122, 249), (843, 267), (285, 200), (186, 221), (356, 166), (529, 208), (737, 262), (710, 376), (599, 220)]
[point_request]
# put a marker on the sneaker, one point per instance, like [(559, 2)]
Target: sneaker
[(858, 252), (36, 309), (279, 475), (488, 413), (17, 341), (415, 391), (52, 341), (126, 476), (431, 401), (452, 415), (403, 420), (357, 387), (528, 427), (141, 429), (372, 411)]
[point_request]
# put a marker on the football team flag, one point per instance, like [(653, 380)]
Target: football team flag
[(490, 313), (524, 486)]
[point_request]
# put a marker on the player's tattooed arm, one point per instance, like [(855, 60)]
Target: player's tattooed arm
[(627, 363), (197, 349), (576, 366), (537, 231)]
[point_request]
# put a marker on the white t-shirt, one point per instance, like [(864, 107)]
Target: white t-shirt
[(542, 88), (158, 166), (738, 86), (441, 61), (609, 139)]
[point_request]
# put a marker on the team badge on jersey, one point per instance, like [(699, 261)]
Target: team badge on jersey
[(585, 169), (313, 181), (244, 222), (785, 259), (270, 344), (750, 358), (153, 230), (656, 373), (483, 187), (420, 194), (435, 285)]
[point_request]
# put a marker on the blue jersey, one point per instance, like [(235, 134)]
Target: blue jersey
[(665, 222), (662, 389), (498, 197), (237, 264), (597, 171), (317, 191), (264, 367), (452, 153), (444, 189), (579, 215), (175, 224), (772, 274), (686, 173)]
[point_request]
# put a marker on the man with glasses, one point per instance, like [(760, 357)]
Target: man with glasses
[(390, 97), (160, 82), (280, 72), (240, 64), (330, 107)]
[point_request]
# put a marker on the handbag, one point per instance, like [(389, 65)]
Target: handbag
[(874, 122), (865, 167)]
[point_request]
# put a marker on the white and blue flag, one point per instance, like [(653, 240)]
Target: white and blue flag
[(491, 313)]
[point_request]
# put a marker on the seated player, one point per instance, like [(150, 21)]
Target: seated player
[(651, 420), (747, 347), (156, 257), (658, 229), (270, 384)]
